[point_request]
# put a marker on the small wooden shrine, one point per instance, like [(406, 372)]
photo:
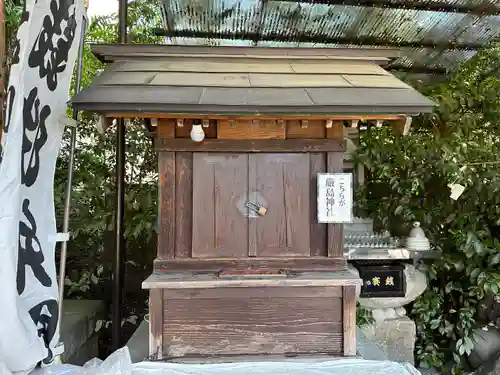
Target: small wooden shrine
[(244, 267)]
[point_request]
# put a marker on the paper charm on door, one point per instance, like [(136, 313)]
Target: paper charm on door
[(334, 197)]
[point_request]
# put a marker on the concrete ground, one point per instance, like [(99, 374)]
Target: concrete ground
[(78, 330)]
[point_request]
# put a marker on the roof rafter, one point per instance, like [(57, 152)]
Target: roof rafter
[(320, 39), (483, 8)]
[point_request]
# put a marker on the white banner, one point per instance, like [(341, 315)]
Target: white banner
[(47, 43)]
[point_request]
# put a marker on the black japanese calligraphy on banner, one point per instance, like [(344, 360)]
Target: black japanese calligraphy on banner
[(33, 122), (44, 56), (11, 95), (45, 317), (30, 251), (51, 49)]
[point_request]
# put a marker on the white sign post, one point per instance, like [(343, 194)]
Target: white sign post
[(334, 197)]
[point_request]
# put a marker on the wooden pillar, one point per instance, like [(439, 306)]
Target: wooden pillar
[(156, 324), (334, 164), (183, 204), (349, 319), (166, 205)]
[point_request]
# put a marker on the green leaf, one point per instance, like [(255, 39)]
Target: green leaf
[(475, 273), (495, 259)]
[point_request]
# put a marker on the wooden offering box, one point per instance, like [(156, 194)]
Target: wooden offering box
[(243, 266)]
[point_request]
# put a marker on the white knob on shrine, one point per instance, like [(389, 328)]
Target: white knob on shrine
[(197, 133)]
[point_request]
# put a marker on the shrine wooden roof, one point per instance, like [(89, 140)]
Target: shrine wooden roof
[(239, 80)]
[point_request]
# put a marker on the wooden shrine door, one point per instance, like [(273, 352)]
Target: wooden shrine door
[(225, 185)]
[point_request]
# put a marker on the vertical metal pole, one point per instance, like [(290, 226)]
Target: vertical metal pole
[(3, 52), (71, 167), (118, 276)]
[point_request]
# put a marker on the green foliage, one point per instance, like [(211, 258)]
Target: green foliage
[(408, 181), (363, 316), (13, 13), (90, 251)]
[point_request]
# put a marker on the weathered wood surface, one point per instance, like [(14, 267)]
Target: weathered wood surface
[(283, 180), (251, 129), (349, 319), (318, 232), (251, 146), (156, 323), (311, 129), (299, 264), (335, 231), (203, 280), (227, 321), (166, 198), (219, 230), (183, 204), (336, 131)]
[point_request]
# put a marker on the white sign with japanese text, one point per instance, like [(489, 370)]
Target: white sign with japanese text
[(334, 197)]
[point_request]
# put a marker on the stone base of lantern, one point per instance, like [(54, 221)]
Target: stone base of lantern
[(392, 331), (395, 337)]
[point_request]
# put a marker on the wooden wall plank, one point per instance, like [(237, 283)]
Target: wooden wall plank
[(165, 128), (184, 204), (251, 129), (185, 130), (284, 182), (235, 325), (166, 206), (314, 129), (349, 319), (219, 182), (250, 146), (253, 243), (336, 131), (245, 293), (216, 264)]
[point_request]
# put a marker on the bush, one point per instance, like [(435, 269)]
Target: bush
[(408, 181)]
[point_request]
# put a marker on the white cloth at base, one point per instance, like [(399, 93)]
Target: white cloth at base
[(119, 363)]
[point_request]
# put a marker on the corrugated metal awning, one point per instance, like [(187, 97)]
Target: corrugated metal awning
[(433, 35)]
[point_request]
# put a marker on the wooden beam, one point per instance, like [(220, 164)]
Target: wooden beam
[(237, 145), (368, 117), (216, 264)]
